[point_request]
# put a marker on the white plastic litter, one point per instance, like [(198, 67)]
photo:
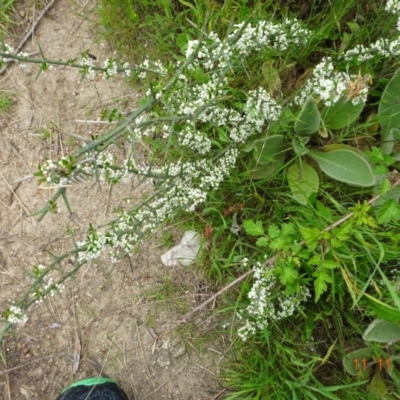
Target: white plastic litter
[(185, 252)]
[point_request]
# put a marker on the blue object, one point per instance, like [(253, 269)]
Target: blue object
[(97, 388)]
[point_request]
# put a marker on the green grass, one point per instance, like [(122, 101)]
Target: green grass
[(6, 6), (6, 100)]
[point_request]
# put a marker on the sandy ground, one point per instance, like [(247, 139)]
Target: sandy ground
[(113, 313)]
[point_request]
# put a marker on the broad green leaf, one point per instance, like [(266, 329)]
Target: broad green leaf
[(253, 228), (345, 166), (299, 145), (336, 146), (248, 146), (268, 170), (352, 362), (308, 120), (388, 144), (266, 149), (341, 114), (382, 331), (396, 135), (303, 181), (389, 106)]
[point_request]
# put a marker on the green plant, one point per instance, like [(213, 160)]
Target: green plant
[(6, 101), (223, 117)]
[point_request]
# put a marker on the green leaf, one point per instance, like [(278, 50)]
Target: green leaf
[(343, 232), (182, 41), (323, 211), (287, 229), (311, 236), (277, 244), (288, 275), (253, 228), (320, 283), (341, 114), (389, 211), (388, 144), (303, 182), (382, 331), (299, 145), (385, 187), (382, 310), (309, 119), (266, 149), (266, 171), (389, 106), (330, 264), (353, 26), (273, 231), (345, 166), (262, 242), (377, 387), (350, 363)]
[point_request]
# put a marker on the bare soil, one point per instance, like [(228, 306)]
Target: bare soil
[(112, 313)]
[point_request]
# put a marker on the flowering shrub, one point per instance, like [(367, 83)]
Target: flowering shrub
[(193, 109)]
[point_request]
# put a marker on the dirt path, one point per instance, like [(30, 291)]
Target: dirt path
[(114, 311)]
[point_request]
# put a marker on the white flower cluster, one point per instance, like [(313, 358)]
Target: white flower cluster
[(252, 38), (7, 50), (127, 71), (261, 108), (108, 174), (151, 66), (329, 86), (194, 139), (186, 186), (94, 243), (111, 68), (393, 6), (55, 173), (17, 315), (47, 285), (266, 306), (88, 62), (383, 47)]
